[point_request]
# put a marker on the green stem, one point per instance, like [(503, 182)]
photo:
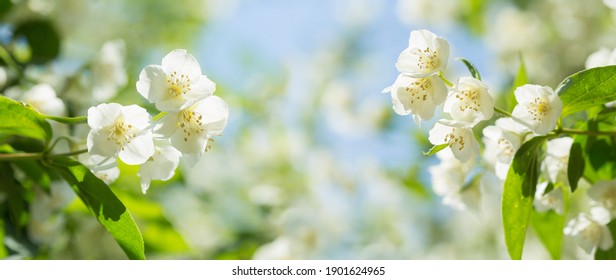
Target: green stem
[(447, 82), (587, 132), (37, 156), (4, 54), (68, 154), (503, 112), (67, 120), (159, 116), (20, 156)]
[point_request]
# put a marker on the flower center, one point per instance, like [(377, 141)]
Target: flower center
[(538, 108), (178, 84), (505, 149), (609, 200), (469, 99), (121, 133), (592, 233), (453, 138), (419, 89), (191, 123), (426, 58)]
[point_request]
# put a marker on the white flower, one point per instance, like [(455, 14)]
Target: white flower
[(160, 166), (108, 73), (4, 77), (557, 159), (460, 139), (591, 232), (610, 3), (175, 85), (417, 96), (426, 55), (190, 129), (120, 130), (550, 200), (502, 141), (538, 107), (604, 192), (105, 169), (43, 97), (601, 57), (448, 179), (469, 101)]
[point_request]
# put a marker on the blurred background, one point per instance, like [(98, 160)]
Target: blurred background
[(314, 163)]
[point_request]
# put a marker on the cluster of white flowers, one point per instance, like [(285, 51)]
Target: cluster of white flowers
[(191, 116), (420, 88)]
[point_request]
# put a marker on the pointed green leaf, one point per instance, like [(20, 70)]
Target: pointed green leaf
[(435, 149), (549, 228), (18, 119), (3, 251), (575, 167), (588, 88), (518, 194), (521, 79), (103, 203), (471, 68)]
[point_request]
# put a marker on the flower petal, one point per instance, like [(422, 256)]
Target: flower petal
[(103, 115), (202, 89), (181, 62), (99, 144), (152, 83), (140, 149), (215, 112)]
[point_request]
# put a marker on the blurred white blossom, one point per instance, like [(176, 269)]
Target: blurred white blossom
[(3, 77), (43, 97), (604, 193), (552, 200), (433, 12), (448, 180), (601, 57), (591, 231), (459, 138), (502, 141), (557, 159), (610, 3), (108, 74)]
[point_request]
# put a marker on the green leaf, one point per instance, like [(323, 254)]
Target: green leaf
[(42, 38), (520, 79), (21, 120), (3, 251), (103, 203), (435, 149), (549, 228), (575, 167), (588, 88), (471, 68), (15, 195), (609, 254), (518, 194)]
